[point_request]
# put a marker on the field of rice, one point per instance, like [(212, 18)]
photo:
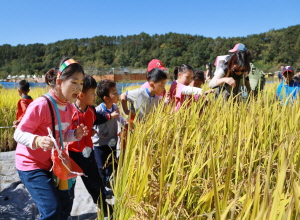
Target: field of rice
[(8, 106), (232, 161)]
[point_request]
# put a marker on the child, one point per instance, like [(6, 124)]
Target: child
[(105, 139), (23, 90), (288, 88), (82, 151), (154, 64), (198, 79), (209, 73), (144, 100), (33, 153), (180, 89)]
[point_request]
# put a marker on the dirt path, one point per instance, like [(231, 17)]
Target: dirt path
[(16, 203)]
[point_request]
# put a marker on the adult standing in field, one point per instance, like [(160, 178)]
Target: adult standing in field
[(232, 72), (280, 77), (33, 153)]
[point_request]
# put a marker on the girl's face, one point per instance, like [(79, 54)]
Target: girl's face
[(207, 67), (186, 77), (71, 87)]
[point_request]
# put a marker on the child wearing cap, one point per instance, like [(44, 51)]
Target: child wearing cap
[(288, 89), (155, 63), (144, 100)]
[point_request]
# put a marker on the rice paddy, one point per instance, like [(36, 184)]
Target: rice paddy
[(231, 161)]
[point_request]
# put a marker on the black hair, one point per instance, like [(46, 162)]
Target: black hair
[(51, 75), (209, 71), (88, 83), (181, 69), (156, 75), (103, 88), (209, 65), (199, 74), (24, 86), (241, 59), (298, 70)]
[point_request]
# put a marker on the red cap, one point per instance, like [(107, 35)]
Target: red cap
[(155, 64)]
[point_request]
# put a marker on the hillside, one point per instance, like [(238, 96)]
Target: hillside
[(269, 50)]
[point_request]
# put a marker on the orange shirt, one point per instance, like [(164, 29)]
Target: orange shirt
[(22, 106)]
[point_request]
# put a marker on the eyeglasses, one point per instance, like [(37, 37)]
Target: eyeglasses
[(239, 71)]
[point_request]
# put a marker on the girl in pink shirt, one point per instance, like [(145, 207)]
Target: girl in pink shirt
[(180, 89), (33, 153)]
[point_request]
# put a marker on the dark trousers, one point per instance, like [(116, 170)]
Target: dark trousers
[(104, 157), (52, 203), (93, 181)]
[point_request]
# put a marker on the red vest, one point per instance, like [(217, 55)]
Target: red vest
[(87, 118)]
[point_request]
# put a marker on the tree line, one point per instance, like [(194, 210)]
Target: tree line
[(269, 50)]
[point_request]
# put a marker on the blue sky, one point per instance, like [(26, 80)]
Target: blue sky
[(48, 21)]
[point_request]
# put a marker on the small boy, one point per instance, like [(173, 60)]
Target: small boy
[(155, 63), (288, 88), (105, 140), (82, 151), (144, 100), (23, 103), (198, 79)]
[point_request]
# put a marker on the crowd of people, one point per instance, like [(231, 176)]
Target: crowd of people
[(90, 136)]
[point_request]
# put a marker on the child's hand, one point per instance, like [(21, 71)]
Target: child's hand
[(44, 142), (81, 131), (167, 97), (15, 123), (115, 114), (230, 81), (94, 132), (209, 91)]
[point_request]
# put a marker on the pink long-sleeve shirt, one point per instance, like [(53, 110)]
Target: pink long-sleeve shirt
[(35, 121)]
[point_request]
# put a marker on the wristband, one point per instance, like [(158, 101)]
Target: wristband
[(37, 142)]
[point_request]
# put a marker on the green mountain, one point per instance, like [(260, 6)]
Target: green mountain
[(269, 50)]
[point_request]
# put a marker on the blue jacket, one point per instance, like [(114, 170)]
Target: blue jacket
[(288, 91)]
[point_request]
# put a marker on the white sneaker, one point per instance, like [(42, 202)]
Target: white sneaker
[(110, 201)]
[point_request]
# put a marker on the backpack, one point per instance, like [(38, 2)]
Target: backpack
[(256, 78)]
